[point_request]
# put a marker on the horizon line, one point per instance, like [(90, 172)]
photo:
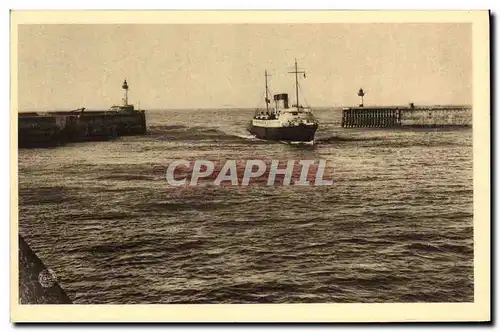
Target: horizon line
[(238, 108)]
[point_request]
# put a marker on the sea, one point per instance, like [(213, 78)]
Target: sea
[(395, 225)]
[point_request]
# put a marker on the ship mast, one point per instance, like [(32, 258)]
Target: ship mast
[(297, 72), (267, 95)]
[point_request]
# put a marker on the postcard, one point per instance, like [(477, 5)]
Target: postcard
[(236, 166)]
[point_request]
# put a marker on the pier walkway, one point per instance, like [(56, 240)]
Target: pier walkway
[(409, 116)]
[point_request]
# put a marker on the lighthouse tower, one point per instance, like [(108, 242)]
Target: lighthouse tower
[(125, 107), (361, 94), (125, 87)]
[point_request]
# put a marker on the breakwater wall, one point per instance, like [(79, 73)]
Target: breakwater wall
[(37, 283), (55, 128), (411, 116)]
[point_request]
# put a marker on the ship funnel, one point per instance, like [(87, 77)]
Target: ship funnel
[(282, 100)]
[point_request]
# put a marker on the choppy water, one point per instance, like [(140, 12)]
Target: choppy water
[(396, 225)]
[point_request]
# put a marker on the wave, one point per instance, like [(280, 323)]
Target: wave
[(195, 133), (247, 136), (338, 138)]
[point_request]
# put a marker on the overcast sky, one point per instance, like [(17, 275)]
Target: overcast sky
[(210, 66)]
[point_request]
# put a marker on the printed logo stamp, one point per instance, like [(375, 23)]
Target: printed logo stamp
[(47, 278)]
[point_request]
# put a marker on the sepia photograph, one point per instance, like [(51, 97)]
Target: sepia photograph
[(231, 164)]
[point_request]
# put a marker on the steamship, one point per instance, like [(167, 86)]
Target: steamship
[(281, 122)]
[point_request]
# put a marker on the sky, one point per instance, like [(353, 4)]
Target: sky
[(222, 65)]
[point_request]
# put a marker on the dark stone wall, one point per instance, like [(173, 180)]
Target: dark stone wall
[(37, 283), (55, 129)]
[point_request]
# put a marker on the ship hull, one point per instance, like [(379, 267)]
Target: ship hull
[(300, 133)]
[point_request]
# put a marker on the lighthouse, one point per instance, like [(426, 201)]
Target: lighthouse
[(361, 94), (125, 87)]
